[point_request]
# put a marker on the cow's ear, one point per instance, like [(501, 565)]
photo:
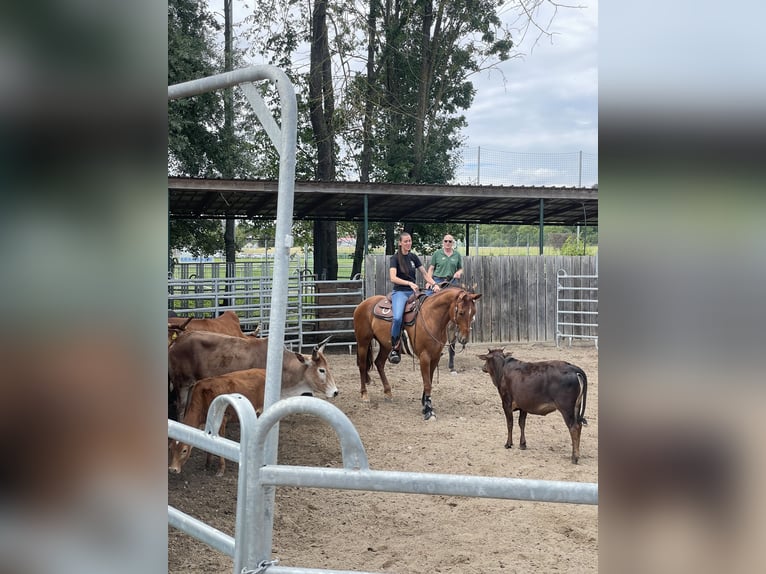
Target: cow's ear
[(301, 358), (483, 357)]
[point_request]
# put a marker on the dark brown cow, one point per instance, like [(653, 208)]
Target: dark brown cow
[(538, 388), (227, 323), (198, 355), (250, 383)]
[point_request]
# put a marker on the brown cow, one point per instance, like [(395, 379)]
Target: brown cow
[(539, 388), (198, 355), (227, 323), (250, 383), (176, 329)]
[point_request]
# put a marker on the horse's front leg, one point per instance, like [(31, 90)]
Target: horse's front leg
[(427, 369)]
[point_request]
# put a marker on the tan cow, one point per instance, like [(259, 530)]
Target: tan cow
[(227, 323), (198, 355), (250, 383)]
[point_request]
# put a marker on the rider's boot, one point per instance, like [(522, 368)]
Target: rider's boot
[(394, 356)]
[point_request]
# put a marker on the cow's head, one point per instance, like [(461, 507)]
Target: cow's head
[(317, 372), (493, 364), (179, 454)]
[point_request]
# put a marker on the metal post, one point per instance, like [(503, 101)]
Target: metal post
[(467, 238), (542, 223), (284, 138), (366, 240), (478, 167)]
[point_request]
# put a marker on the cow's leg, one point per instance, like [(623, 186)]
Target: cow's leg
[(508, 412), (508, 423), (522, 425), (181, 398), (575, 431), (210, 456)]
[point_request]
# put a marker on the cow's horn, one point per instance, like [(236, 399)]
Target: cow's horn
[(318, 345)]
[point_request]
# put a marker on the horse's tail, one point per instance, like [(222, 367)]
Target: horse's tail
[(368, 365), (406, 343)]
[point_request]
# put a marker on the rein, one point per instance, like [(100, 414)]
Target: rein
[(425, 326)]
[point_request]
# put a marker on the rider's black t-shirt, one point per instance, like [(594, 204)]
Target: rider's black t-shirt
[(412, 262)]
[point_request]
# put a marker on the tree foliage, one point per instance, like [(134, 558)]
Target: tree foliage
[(381, 99)]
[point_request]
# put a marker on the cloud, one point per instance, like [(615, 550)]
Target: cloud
[(547, 100)]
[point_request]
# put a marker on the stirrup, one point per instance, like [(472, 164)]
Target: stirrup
[(394, 357)]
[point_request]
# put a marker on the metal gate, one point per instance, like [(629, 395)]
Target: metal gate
[(251, 545), (576, 307), (315, 309)]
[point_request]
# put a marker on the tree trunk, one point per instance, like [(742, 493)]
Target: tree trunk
[(322, 111), (369, 108), (423, 92)]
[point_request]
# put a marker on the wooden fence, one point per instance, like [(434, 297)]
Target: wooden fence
[(518, 300)]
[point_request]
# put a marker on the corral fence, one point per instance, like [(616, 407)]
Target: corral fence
[(520, 294), (524, 298), (256, 453), (315, 309)]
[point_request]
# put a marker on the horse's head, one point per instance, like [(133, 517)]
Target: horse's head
[(463, 313)]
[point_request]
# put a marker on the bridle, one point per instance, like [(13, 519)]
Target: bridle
[(452, 318)]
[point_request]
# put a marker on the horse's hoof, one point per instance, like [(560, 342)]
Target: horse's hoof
[(365, 398), (429, 417), (388, 397)]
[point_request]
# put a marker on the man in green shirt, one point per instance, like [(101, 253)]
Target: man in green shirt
[(446, 266)]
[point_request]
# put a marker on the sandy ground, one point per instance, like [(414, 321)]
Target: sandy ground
[(382, 532)]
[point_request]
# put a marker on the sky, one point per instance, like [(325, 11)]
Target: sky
[(547, 100)]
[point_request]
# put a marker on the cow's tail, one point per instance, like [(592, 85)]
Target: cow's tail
[(583, 379)]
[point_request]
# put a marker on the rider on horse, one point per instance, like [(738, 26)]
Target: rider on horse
[(401, 272)]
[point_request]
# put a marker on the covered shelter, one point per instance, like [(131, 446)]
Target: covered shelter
[(385, 202)]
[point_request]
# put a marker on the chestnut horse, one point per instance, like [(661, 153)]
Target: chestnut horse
[(427, 335)]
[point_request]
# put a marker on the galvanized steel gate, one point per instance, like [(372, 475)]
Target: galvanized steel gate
[(576, 307), (256, 452)]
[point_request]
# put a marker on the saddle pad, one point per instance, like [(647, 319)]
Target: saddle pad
[(382, 309)]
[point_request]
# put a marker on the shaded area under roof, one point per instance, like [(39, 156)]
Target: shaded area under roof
[(386, 202)]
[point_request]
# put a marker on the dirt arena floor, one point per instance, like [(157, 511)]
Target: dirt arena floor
[(411, 534)]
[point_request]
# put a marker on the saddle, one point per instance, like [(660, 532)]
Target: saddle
[(382, 309)]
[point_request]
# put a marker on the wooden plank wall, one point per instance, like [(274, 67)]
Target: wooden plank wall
[(518, 300)]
